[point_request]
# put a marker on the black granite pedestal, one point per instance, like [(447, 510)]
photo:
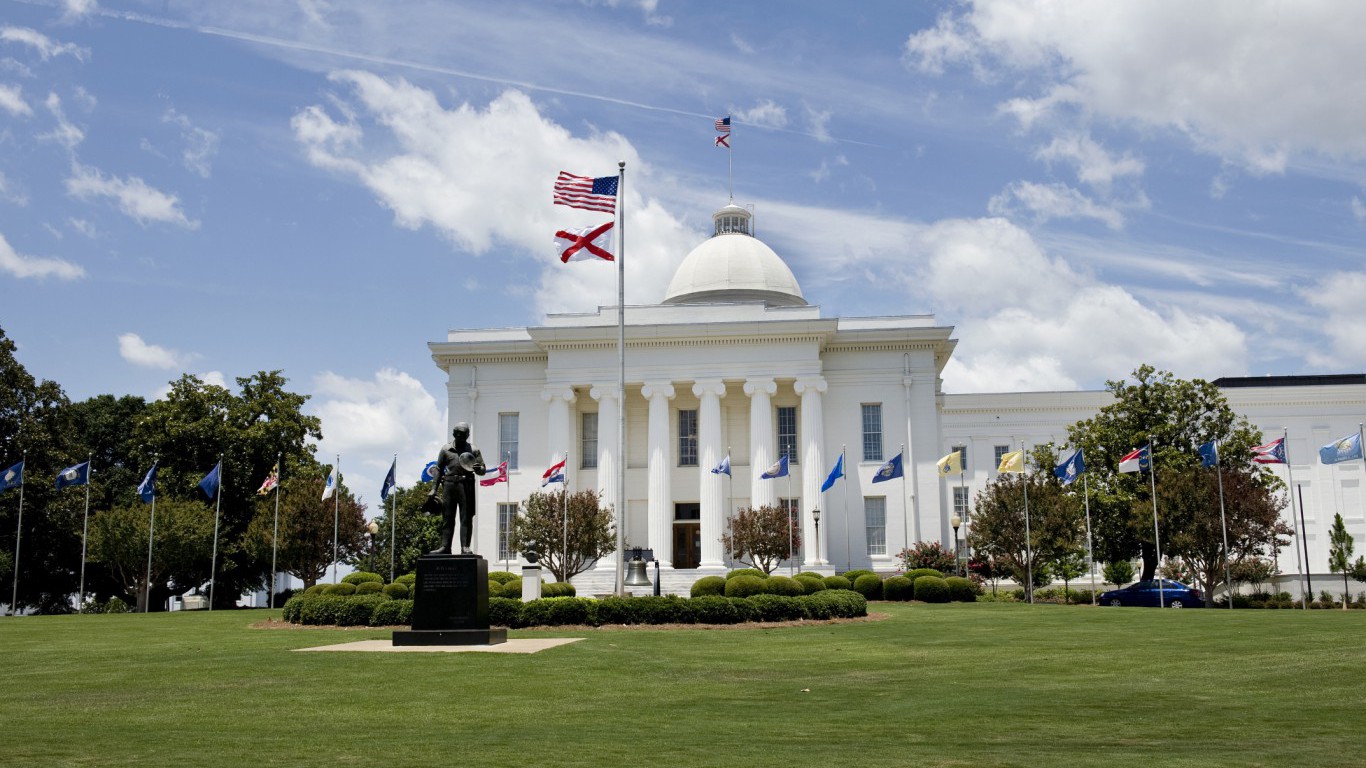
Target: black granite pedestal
[(451, 603)]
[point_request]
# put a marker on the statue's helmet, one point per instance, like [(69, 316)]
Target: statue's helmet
[(461, 431)]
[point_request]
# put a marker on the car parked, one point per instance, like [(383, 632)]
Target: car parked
[(1174, 594)]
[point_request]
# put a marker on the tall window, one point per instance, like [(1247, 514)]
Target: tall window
[(1001, 450), (872, 431), (787, 433), (875, 518), (506, 514), (507, 439), (588, 441), (687, 438), (962, 456), (960, 502)]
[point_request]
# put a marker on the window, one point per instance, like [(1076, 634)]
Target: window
[(507, 439), (687, 438), (506, 514), (960, 502), (1001, 450), (588, 441), (872, 431), (962, 456), (787, 433), (875, 519)]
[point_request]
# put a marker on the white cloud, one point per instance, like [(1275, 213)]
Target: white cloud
[(767, 114), (1205, 70), (74, 10), (11, 192), (138, 352), (133, 196), (84, 99), (740, 44), (83, 226), (1340, 296), (1358, 209), (1095, 165), (43, 45), (818, 122), (21, 266), (12, 101), (1051, 201), (448, 168), (368, 420), (66, 133), (200, 145)]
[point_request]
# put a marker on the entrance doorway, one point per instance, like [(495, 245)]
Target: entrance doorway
[(687, 535)]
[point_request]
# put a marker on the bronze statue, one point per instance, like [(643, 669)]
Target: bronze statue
[(456, 465)]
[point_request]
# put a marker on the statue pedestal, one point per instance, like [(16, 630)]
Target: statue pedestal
[(451, 603)]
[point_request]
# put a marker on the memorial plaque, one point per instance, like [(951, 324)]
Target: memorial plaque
[(451, 603)]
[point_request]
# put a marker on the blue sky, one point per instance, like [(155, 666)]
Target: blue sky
[(323, 186)]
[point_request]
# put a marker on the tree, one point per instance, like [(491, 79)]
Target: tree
[(182, 547), (762, 537), (417, 532), (1176, 416), (540, 525), (1257, 571), (928, 554), (1068, 567), (998, 522), (1119, 572), (1340, 554), (307, 525)]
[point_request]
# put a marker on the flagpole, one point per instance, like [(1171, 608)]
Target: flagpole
[(507, 487), (730, 494), (791, 550), (848, 559), (1304, 541), (336, 517), (564, 486), (905, 503), (1157, 541), (275, 537), (18, 536), (1223, 523), (217, 507), (1090, 547), (85, 527), (1029, 548), (621, 380), (393, 522), (1294, 521), (151, 533)]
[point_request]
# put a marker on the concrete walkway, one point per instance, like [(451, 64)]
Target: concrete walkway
[(529, 645)]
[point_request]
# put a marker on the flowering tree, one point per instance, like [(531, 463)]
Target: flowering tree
[(927, 554), (763, 537)]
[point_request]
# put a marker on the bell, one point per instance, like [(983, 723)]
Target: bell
[(636, 575)]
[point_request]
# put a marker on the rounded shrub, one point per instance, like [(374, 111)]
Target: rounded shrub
[(666, 609), (115, 605), (961, 590), (898, 588), (563, 611), (616, 610), (852, 576), (869, 585), (342, 589), (918, 572), (511, 588), (835, 604), (505, 613), (777, 608), (392, 613), (812, 574), (931, 589), (714, 609), (746, 572), (408, 578), (558, 589), (708, 585), (502, 577), (319, 610), (317, 589), (290, 611), (396, 590), (837, 582), (810, 584), (744, 586), (362, 577), (369, 587), (358, 610), (782, 585), (495, 588)]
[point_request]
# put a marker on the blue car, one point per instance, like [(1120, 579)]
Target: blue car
[(1145, 593)]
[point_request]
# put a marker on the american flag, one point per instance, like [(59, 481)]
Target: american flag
[(723, 124), (585, 192)]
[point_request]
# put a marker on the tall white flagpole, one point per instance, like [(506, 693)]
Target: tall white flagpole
[(85, 527), (905, 500), (1090, 547), (507, 483), (1157, 541), (151, 533), (848, 558), (564, 486), (18, 536), (275, 536), (1029, 547), (788, 507), (336, 517), (730, 495), (393, 520), (1223, 523), (1294, 520), (217, 508), (621, 378)]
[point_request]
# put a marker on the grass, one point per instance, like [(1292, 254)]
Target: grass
[(941, 685)]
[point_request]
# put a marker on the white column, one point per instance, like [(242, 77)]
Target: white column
[(658, 517), (711, 491), (761, 492), (559, 427), (813, 462), (606, 395)]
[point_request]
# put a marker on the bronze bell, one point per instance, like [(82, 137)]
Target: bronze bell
[(636, 575)]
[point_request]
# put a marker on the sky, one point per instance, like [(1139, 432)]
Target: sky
[(324, 186)]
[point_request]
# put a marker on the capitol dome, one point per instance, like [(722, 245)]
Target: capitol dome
[(734, 266)]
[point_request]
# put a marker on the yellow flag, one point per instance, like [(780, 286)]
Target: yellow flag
[(951, 464), (1012, 462)]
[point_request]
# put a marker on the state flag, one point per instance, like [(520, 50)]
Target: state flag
[(77, 475), (1271, 453), (835, 474), (1071, 468), (428, 472), (1338, 451), (951, 464), (390, 480), (1136, 461), (331, 486), (779, 469), (500, 477), (889, 471), (147, 489), (1012, 462), (209, 485), (723, 468), (271, 481), (12, 477), (555, 474), (584, 243), (1209, 454)]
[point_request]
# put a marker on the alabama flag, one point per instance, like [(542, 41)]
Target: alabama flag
[(585, 243), (1135, 462)]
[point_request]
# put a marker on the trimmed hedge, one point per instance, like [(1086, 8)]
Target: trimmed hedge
[(918, 572), (852, 576), (931, 589), (961, 591), (746, 572), (408, 579), (362, 577), (869, 585), (810, 584), (502, 577), (708, 585), (505, 613), (511, 588), (290, 611), (782, 585), (343, 589), (835, 604), (559, 611), (777, 608), (369, 587), (392, 613), (837, 582), (558, 589), (714, 609), (744, 586), (397, 591), (898, 588), (317, 589)]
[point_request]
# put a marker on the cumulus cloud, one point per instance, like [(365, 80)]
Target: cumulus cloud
[(1339, 297), (12, 101), (138, 352), (1051, 201), (21, 266), (41, 44), (200, 145), (133, 196), (766, 114), (1095, 166), (74, 10), (449, 168), (1200, 70)]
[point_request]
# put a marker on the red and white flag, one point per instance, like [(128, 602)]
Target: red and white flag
[(585, 243), (555, 474), (1135, 462), (501, 477)]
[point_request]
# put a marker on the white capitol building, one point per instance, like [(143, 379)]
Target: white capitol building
[(735, 359)]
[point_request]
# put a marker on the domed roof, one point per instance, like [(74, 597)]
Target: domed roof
[(734, 266)]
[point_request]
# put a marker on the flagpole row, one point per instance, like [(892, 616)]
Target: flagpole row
[(1294, 521)]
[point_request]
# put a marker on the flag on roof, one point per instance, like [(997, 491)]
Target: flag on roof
[(584, 243), (951, 464), (779, 469), (1012, 462), (147, 489), (12, 477), (1338, 451), (555, 474), (500, 477), (1136, 461), (1271, 453), (77, 475), (835, 474), (724, 467), (1070, 468), (889, 471), (586, 192)]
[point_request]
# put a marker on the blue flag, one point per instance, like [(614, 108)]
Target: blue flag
[(147, 489), (835, 474), (779, 469), (1338, 451), (12, 477), (77, 475), (389, 482), (889, 471), (428, 472), (723, 468), (1071, 468), (209, 485), (1209, 454)]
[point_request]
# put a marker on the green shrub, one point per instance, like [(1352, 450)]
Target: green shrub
[(777, 608), (317, 589), (744, 586), (960, 590), (408, 579), (320, 609), (1079, 597), (343, 589), (358, 610), (810, 584), (811, 574), (512, 588), (369, 587), (290, 611), (562, 611), (782, 585), (502, 577), (362, 577), (869, 585), (115, 605), (746, 572), (931, 589), (714, 609), (495, 588), (918, 572), (615, 610), (852, 576), (837, 582), (835, 603), (393, 613), (708, 585), (898, 588), (558, 589), (397, 591), (505, 613), (666, 609)]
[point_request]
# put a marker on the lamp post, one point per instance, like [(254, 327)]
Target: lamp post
[(816, 519), (956, 521), (371, 530)]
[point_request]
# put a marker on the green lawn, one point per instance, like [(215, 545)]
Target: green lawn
[(933, 685)]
